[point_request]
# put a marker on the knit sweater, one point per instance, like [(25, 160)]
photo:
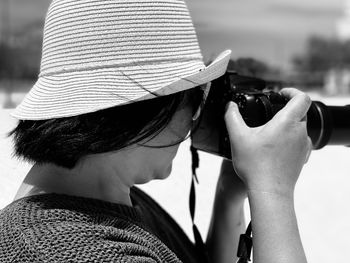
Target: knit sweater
[(62, 228)]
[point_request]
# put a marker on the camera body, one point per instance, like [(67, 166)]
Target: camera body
[(256, 104)]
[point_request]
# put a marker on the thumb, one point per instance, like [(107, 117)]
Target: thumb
[(235, 124)]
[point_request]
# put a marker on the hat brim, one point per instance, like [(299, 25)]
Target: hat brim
[(75, 93)]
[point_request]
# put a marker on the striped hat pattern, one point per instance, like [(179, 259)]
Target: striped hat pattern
[(103, 53)]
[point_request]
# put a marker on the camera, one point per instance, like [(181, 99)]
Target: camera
[(258, 103)]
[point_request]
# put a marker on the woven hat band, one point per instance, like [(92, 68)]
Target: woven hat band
[(89, 34)]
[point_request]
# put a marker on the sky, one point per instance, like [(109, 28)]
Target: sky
[(271, 30)]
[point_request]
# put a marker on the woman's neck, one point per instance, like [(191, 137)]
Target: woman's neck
[(93, 179)]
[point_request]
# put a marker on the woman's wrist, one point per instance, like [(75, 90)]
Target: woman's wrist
[(275, 190), (229, 192), (272, 201), (230, 187)]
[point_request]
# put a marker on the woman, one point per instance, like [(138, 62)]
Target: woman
[(119, 85)]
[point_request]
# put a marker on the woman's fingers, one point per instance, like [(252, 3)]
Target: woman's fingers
[(234, 121), (297, 106), (296, 109)]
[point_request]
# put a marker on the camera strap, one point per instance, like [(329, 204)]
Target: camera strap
[(245, 245), (200, 246), (245, 241)]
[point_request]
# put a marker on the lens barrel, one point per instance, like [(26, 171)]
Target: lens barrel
[(328, 125)]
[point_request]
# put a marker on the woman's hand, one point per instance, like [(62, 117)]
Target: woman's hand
[(269, 158)]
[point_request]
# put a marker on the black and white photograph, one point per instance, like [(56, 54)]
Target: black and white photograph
[(174, 131)]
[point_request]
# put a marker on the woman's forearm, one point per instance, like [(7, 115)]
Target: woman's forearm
[(226, 225), (276, 236), (275, 231)]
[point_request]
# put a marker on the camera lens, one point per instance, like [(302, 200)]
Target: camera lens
[(328, 125)]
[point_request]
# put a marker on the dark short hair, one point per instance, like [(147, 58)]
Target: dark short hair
[(64, 141)]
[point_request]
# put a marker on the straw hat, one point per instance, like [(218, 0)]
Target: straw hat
[(103, 53)]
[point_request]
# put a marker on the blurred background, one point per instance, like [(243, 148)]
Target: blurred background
[(301, 43)]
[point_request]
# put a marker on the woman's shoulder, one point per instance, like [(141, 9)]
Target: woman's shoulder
[(55, 227), (66, 211)]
